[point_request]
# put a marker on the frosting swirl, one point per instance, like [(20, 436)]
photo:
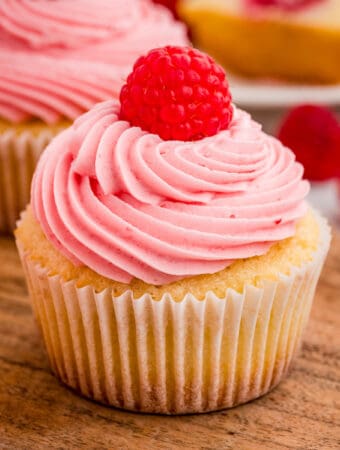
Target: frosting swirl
[(58, 58), (128, 204)]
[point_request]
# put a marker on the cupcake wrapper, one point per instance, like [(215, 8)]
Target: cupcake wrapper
[(19, 155), (173, 357)]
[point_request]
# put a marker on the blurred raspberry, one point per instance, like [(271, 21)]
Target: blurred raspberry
[(313, 133), (178, 93), (289, 5)]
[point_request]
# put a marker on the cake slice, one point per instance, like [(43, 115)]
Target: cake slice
[(294, 40)]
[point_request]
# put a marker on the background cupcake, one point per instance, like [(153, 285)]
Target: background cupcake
[(57, 59), (169, 252), (296, 41)]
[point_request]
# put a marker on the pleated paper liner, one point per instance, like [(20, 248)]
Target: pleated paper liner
[(174, 357), (19, 155)]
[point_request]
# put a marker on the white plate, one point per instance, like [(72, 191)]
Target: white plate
[(268, 94)]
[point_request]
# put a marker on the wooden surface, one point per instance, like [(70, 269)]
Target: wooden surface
[(36, 412)]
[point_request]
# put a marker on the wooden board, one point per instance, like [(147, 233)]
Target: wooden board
[(37, 412)]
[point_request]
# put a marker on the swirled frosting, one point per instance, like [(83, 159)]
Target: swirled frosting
[(58, 58), (128, 204)]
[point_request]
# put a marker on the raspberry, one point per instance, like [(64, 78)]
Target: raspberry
[(313, 133), (178, 93), (289, 5)]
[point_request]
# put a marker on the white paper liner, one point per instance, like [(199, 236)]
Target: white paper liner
[(19, 155), (174, 357)]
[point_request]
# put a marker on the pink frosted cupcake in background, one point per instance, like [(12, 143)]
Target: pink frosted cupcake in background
[(57, 59), (169, 251)]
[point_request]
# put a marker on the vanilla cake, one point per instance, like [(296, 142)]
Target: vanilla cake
[(295, 40)]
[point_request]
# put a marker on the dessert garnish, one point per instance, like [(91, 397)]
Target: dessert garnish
[(178, 93), (313, 133), (289, 5)]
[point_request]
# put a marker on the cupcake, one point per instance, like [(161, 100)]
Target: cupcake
[(57, 59), (292, 40), (170, 255)]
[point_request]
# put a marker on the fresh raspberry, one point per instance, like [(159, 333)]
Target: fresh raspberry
[(313, 133), (289, 5), (178, 93)]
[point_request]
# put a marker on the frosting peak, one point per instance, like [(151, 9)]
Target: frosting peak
[(128, 204)]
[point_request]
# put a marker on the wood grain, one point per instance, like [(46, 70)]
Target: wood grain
[(37, 412)]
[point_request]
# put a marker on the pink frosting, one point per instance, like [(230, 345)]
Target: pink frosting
[(58, 58), (128, 204)]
